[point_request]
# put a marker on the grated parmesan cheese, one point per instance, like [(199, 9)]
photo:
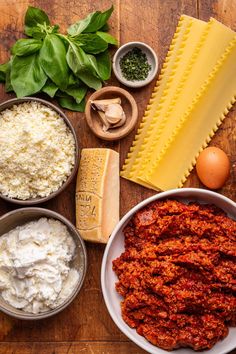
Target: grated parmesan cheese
[(37, 151)]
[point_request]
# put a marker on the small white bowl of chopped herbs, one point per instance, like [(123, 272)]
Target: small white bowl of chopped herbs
[(135, 64)]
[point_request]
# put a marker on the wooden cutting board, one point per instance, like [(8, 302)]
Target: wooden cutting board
[(85, 326)]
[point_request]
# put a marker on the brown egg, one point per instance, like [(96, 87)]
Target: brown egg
[(213, 167)]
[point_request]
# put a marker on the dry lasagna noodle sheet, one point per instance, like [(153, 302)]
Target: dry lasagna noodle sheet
[(165, 80), (193, 73), (198, 125)]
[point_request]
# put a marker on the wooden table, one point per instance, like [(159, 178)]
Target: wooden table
[(85, 326)]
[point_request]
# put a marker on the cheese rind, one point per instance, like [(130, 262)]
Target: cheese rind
[(97, 194)]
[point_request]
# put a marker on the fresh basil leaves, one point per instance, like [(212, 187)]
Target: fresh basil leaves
[(50, 88), (27, 46), (78, 93), (104, 65), (98, 20), (92, 23), (35, 20), (82, 67), (59, 65), (52, 59), (27, 76), (8, 85), (107, 37), (91, 43), (35, 16), (69, 103), (3, 71)]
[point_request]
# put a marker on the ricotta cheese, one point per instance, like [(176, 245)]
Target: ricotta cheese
[(37, 151), (35, 273)]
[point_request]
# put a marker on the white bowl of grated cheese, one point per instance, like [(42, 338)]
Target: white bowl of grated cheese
[(43, 263), (38, 151)]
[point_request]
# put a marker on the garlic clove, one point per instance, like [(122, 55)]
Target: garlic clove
[(106, 125), (102, 105), (114, 113), (113, 120), (120, 123)]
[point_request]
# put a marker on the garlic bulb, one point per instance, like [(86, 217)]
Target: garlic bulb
[(111, 112)]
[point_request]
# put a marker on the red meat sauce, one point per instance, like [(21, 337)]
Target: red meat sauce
[(177, 274)]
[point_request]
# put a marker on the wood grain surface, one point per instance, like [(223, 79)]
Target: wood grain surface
[(85, 326)]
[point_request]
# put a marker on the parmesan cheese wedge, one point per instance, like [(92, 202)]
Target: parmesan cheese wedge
[(97, 194)]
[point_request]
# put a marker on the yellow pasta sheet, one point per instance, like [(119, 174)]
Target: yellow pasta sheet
[(187, 35), (211, 46), (196, 58), (198, 124)]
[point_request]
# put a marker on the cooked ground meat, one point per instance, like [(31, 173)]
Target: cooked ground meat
[(177, 274)]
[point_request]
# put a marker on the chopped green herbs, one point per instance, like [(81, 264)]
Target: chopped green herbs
[(63, 66), (134, 65)]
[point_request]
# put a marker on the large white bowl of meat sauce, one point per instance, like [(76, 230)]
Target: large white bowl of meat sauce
[(210, 285)]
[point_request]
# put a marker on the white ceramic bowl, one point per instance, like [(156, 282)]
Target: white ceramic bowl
[(151, 57), (115, 247)]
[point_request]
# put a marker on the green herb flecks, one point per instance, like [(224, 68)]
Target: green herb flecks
[(134, 65)]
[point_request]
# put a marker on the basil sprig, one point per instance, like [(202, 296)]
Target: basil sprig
[(60, 65)]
